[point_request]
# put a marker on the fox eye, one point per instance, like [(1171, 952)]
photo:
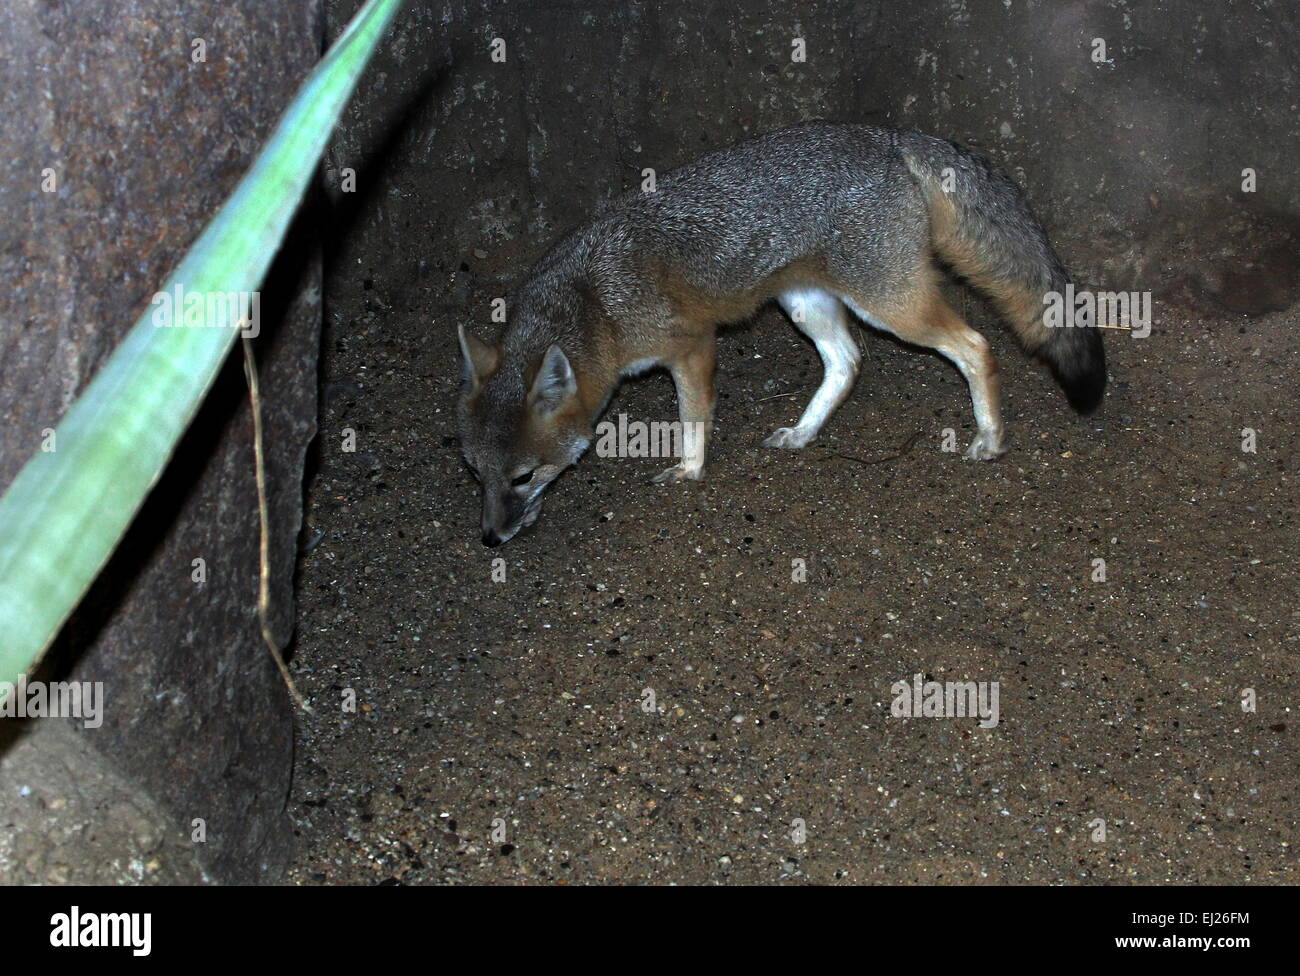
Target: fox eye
[(523, 479)]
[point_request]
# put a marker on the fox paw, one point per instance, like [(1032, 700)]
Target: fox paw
[(985, 447), (790, 438), (679, 473)]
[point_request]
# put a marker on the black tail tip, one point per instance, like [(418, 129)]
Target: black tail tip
[(1084, 391), (1078, 362)]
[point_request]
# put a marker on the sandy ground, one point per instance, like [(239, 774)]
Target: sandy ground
[(500, 733)]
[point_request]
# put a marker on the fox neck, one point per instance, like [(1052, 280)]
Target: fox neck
[(572, 321)]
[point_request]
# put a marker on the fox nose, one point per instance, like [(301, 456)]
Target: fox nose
[(490, 538)]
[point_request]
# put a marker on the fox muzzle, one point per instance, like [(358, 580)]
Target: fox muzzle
[(505, 513)]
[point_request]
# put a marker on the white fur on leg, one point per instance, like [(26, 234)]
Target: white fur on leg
[(822, 318), (695, 440), (987, 446), (678, 473), (790, 438), (974, 363)]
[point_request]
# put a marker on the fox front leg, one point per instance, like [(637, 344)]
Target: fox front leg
[(693, 377)]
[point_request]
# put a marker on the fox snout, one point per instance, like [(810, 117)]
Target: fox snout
[(502, 515), (505, 513)]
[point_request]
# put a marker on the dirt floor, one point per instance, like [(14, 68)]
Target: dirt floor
[(500, 734)]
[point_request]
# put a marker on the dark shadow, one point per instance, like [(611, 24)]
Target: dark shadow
[(341, 213)]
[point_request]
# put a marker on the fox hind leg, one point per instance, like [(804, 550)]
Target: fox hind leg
[(926, 319), (822, 318)]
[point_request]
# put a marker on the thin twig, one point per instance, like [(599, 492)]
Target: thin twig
[(264, 547), (903, 449)]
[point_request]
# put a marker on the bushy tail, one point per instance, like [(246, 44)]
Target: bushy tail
[(982, 225)]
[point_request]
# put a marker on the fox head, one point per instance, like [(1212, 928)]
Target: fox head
[(521, 424)]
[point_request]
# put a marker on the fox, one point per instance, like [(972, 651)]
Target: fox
[(829, 220)]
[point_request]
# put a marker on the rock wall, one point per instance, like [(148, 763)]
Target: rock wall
[(144, 143), (1129, 123)]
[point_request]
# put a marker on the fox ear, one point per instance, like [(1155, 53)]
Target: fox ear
[(554, 382), (479, 359)]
